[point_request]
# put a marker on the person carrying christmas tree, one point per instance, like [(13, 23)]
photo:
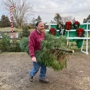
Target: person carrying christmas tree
[(35, 39)]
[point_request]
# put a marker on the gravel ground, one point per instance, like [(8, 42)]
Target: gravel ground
[(15, 67)]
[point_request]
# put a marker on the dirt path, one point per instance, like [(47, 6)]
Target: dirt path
[(14, 73)]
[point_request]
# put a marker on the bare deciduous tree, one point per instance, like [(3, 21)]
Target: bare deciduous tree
[(68, 18), (23, 8)]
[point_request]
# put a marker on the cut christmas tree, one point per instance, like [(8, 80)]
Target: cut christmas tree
[(54, 52)]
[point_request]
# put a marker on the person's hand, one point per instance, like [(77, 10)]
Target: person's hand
[(34, 59)]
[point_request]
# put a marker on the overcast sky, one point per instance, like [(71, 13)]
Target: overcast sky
[(79, 9)]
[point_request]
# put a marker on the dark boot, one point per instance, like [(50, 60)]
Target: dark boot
[(44, 80), (31, 79)]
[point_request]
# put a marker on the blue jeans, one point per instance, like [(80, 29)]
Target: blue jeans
[(36, 68)]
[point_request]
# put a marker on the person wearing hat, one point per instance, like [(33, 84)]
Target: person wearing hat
[(35, 38)]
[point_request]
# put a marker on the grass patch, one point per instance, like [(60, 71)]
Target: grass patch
[(16, 29)]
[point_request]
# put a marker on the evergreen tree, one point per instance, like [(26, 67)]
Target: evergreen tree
[(25, 31), (5, 43), (38, 19), (87, 19), (24, 44), (58, 18), (0, 23), (7, 22), (4, 21), (53, 51)]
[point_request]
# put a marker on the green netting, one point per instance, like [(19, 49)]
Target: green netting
[(73, 34), (79, 43), (57, 33), (54, 26), (88, 27), (84, 26)]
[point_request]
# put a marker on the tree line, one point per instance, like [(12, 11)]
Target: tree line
[(4, 22), (22, 12)]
